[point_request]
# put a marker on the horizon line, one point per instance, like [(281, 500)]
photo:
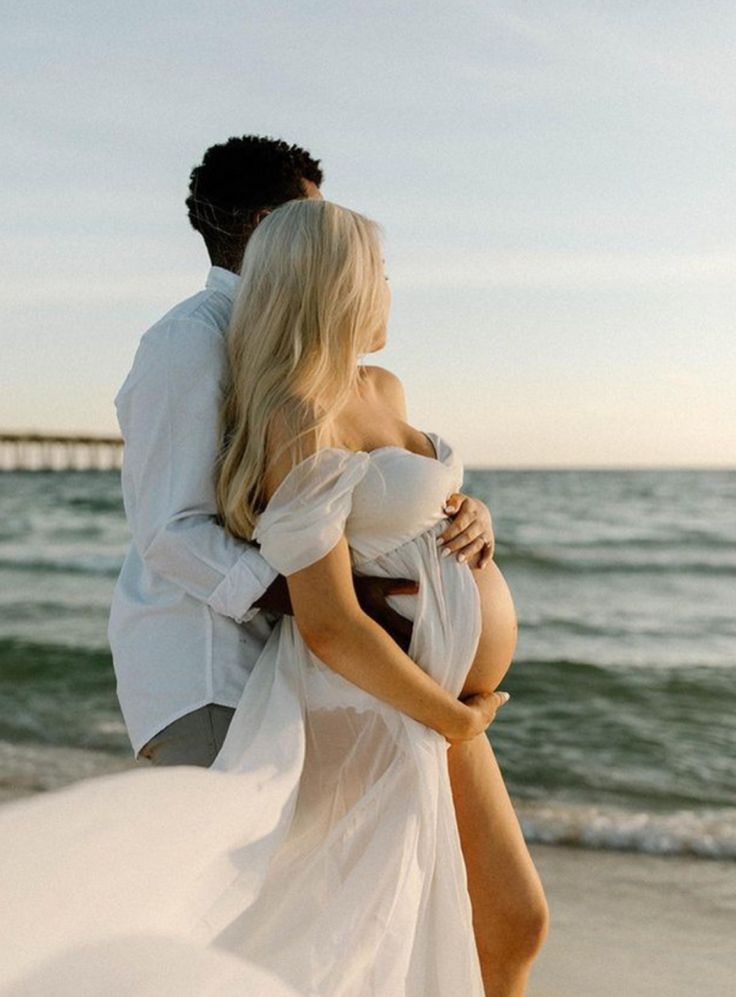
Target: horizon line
[(40, 436), (601, 467)]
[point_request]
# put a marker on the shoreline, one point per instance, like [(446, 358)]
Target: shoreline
[(28, 768)]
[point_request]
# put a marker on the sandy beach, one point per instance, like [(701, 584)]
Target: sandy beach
[(628, 925)]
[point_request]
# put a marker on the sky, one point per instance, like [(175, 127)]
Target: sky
[(555, 181)]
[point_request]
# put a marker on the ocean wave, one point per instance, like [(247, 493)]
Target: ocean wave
[(708, 834), (569, 561), (673, 540), (700, 833), (26, 769), (108, 566), (100, 503)]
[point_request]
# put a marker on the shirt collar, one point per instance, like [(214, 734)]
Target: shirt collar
[(219, 279)]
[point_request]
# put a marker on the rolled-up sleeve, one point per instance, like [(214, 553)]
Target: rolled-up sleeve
[(168, 410)]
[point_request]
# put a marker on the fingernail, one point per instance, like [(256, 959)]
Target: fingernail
[(446, 552), (450, 508), (461, 557)]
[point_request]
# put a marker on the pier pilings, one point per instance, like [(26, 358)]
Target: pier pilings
[(59, 452)]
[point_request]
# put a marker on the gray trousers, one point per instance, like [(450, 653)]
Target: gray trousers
[(194, 739)]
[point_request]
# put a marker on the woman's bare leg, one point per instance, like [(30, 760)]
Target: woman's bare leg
[(510, 916)]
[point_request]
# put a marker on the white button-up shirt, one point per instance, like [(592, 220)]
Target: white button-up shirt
[(182, 628)]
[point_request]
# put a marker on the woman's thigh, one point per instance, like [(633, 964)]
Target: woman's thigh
[(505, 889)]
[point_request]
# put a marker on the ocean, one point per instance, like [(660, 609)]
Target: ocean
[(621, 730)]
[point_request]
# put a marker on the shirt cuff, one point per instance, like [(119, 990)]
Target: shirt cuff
[(243, 585)]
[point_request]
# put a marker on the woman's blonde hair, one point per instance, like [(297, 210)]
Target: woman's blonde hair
[(311, 300)]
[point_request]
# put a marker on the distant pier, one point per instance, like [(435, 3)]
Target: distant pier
[(59, 452)]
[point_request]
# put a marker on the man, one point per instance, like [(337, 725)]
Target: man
[(193, 607)]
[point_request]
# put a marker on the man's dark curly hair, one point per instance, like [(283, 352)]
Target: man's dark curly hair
[(235, 181)]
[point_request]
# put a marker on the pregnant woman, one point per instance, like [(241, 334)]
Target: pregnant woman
[(323, 470), (321, 854)]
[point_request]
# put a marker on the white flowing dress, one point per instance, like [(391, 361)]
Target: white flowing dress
[(320, 854)]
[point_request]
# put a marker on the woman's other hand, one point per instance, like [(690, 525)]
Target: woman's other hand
[(479, 713), (469, 535), (372, 592)]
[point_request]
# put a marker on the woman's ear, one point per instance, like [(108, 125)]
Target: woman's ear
[(260, 215)]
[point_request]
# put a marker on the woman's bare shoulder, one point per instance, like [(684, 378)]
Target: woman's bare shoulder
[(388, 386)]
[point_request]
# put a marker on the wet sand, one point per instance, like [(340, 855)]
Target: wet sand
[(631, 925)]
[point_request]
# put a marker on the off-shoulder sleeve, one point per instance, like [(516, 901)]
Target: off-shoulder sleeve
[(307, 513)]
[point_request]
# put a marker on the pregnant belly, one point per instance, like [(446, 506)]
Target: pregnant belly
[(499, 631)]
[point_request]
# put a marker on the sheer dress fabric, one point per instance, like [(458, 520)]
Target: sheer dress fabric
[(321, 851)]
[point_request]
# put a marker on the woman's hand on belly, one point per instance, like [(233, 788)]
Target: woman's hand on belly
[(469, 535), (480, 712)]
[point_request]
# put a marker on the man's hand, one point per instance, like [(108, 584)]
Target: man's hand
[(470, 534), (276, 598), (371, 592)]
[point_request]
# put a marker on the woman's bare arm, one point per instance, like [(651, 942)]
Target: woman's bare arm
[(340, 634), (338, 631)]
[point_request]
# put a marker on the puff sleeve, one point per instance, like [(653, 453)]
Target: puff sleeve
[(306, 515)]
